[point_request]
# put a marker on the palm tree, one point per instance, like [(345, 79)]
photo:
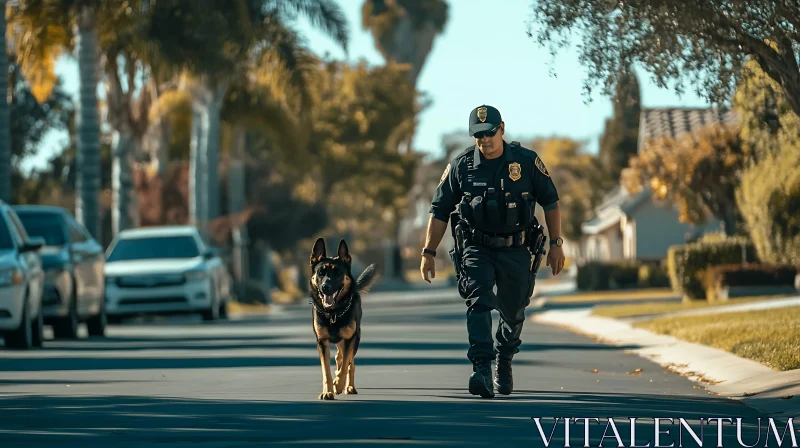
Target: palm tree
[(404, 30), (234, 34), (42, 33), (5, 119), (87, 184), (127, 61)]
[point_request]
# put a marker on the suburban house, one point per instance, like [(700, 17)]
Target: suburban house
[(638, 226)]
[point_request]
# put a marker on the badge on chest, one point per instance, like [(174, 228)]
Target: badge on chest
[(514, 171)]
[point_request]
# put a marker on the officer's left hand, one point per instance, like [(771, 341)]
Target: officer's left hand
[(555, 259)]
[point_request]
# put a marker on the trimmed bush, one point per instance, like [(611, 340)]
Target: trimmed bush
[(600, 276), (688, 263), (593, 276), (769, 198), (653, 276), (751, 274), (624, 275), (754, 275)]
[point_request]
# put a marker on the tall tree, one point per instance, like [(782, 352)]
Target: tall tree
[(42, 33), (699, 172), (233, 33), (30, 122), (132, 85), (404, 30), (576, 174), (769, 193), (5, 141), (768, 122), (620, 138), (87, 51), (706, 43)]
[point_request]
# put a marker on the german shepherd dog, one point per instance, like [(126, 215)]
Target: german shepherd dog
[(337, 314)]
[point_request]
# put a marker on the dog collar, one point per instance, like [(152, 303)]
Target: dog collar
[(331, 317)]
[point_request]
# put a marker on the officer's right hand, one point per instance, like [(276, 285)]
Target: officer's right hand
[(428, 265)]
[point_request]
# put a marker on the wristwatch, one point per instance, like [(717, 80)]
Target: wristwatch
[(429, 252), (556, 242)]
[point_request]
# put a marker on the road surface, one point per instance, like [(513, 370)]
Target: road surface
[(254, 382)]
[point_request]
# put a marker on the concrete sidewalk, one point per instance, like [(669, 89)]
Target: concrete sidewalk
[(721, 372)]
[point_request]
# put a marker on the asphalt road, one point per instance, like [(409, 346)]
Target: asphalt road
[(255, 382)]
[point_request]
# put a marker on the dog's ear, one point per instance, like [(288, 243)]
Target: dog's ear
[(343, 253), (318, 252)]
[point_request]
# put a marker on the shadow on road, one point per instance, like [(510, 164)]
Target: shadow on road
[(271, 342), (442, 418), (165, 362)]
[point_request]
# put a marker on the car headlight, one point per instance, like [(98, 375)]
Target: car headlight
[(10, 277), (195, 275)]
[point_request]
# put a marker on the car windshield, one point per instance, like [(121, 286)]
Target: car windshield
[(155, 247), (6, 241), (44, 225)]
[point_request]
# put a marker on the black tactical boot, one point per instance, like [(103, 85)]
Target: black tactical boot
[(480, 382), (503, 380)]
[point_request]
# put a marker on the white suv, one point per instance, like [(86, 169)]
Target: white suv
[(164, 270), (21, 283)]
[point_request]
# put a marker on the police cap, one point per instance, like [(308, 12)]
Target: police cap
[(483, 118)]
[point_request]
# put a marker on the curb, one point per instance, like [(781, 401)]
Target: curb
[(721, 372)]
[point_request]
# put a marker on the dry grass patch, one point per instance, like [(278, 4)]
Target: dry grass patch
[(245, 308), (766, 336), (617, 295), (648, 308)]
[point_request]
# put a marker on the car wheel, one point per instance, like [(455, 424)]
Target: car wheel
[(67, 327), (38, 329), (22, 337), (96, 325), (223, 309), (212, 313)]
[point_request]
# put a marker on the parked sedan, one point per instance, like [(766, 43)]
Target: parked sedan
[(21, 279), (74, 289), (164, 270)]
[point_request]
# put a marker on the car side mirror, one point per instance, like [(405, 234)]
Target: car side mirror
[(209, 253), (34, 243)]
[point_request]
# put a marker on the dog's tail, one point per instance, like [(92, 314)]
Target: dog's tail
[(367, 278)]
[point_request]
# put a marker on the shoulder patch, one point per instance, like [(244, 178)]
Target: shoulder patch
[(541, 167), (444, 175)]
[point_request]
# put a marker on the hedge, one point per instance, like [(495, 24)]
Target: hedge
[(600, 276), (687, 263), (750, 274), (653, 276)]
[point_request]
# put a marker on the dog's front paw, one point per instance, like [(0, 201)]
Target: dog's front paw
[(338, 385), (326, 396), (351, 390)]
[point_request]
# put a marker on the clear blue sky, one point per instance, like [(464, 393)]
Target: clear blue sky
[(483, 56)]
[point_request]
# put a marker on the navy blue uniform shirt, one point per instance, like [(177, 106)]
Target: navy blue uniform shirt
[(517, 162)]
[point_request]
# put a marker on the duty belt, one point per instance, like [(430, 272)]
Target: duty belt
[(513, 240)]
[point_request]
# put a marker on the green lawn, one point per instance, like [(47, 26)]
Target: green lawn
[(771, 337)]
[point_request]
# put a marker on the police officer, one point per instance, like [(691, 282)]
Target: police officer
[(497, 186)]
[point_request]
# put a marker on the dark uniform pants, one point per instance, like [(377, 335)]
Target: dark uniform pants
[(509, 270)]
